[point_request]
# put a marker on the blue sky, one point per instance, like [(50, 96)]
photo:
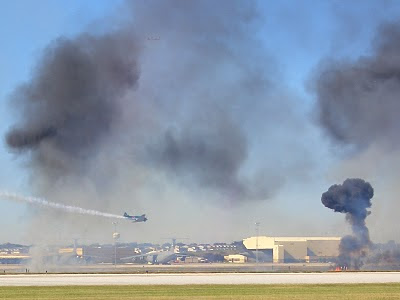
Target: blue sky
[(296, 34)]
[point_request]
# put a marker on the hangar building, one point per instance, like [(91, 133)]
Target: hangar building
[(294, 249)]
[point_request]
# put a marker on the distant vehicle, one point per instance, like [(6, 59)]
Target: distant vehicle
[(135, 219)]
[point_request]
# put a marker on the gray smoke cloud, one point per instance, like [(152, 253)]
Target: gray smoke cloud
[(358, 100), (213, 157), (70, 102), (352, 198), (174, 104), (357, 104)]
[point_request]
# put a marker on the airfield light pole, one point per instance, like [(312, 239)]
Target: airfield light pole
[(115, 237), (257, 233), (75, 247)]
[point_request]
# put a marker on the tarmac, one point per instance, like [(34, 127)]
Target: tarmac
[(173, 268), (201, 278)]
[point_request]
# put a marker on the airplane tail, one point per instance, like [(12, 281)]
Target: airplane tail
[(125, 214)]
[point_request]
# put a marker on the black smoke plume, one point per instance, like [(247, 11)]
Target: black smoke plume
[(352, 198), (86, 99), (358, 100), (70, 102), (213, 157), (165, 105)]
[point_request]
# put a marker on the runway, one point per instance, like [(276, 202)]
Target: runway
[(203, 278)]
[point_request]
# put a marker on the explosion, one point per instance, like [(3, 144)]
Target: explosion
[(353, 197)]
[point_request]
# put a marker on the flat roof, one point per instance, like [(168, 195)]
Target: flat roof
[(298, 238), (317, 238)]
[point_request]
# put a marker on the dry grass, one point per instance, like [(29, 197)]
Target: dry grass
[(333, 291)]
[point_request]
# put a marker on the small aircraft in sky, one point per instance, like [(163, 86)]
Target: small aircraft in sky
[(136, 219)]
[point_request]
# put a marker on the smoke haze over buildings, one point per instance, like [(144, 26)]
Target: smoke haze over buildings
[(180, 109), (117, 118)]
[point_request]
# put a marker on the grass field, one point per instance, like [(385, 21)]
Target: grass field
[(320, 292)]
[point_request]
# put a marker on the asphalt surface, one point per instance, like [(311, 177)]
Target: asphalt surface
[(173, 268), (203, 278)]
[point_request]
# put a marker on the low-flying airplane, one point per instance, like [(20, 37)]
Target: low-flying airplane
[(135, 219)]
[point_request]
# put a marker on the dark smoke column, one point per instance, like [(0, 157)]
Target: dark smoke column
[(353, 198), (70, 104)]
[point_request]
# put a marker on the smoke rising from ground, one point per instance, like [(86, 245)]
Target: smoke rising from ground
[(352, 198), (357, 104)]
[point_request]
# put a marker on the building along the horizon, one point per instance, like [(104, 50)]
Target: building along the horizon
[(294, 249)]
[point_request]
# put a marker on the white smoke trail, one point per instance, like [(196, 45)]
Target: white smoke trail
[(67, 208)]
